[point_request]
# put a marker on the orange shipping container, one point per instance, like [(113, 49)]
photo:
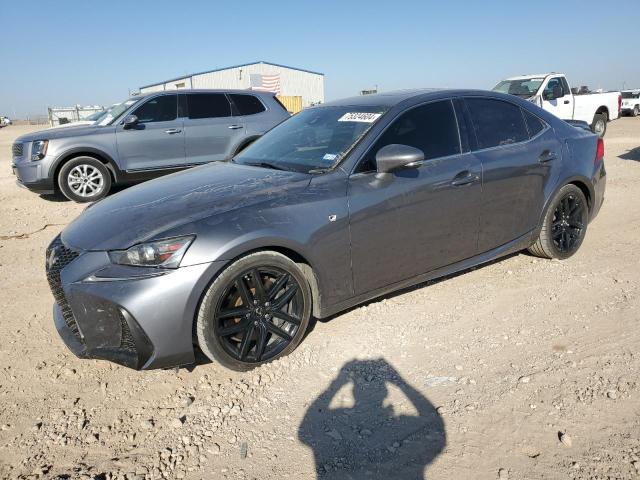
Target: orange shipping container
[(292, 103)]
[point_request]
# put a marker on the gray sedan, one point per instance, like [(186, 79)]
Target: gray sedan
[(338, 205)]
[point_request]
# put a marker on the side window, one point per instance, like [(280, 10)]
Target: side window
[(553, 83), (565, 86), (432, 128), (496, 122), (208, 105), (534, 124), (159, 109), (247, 104)]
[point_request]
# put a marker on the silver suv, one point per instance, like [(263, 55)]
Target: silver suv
[(143, 137)]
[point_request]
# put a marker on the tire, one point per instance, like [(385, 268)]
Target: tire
[(84, 179), (232, 325), (562, 232), (599, 125), (636, 111)]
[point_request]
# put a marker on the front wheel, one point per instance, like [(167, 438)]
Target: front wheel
[(636, 111), (256, 311), (564, 225), (599, 125), (84, 179)]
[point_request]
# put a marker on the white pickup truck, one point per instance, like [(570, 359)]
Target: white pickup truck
[(631, 102), (551, 92)]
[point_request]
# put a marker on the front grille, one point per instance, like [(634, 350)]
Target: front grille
[(16, 149), (58, 257)]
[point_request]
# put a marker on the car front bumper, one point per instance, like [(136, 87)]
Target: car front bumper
[(141, 318)]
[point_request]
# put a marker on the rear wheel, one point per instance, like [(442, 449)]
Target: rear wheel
[(564, 225), (599, 125), (84, 179), (256, 311), (636, 111)]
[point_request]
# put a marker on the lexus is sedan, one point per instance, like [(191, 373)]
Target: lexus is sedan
[(340, 204)]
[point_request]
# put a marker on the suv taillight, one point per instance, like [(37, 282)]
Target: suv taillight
[(599, 151)]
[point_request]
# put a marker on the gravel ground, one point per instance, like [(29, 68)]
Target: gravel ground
[(524, 368)]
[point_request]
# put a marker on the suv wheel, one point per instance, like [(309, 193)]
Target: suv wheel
[(84, 179), (256, 311)]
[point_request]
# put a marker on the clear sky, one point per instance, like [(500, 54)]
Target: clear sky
[(92, 52)]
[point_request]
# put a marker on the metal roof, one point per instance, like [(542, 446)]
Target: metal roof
[(230, 68)]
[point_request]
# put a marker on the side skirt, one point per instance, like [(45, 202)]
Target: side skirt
[(516, 245)]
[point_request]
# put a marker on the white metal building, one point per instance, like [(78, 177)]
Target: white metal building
[(292, 81)]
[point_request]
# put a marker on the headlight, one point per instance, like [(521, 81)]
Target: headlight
[(162, 253), (39, 149)]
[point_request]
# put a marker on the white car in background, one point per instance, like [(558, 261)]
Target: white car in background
[(4, 121), (631, 102), (90, 120), (551, 92)]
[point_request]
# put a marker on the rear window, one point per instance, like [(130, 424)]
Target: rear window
[(247, 104), (496, 123), (208, 105), (534, 124)]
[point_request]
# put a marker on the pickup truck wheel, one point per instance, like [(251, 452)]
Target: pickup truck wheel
[(84, 179), (599, 125), (636, 111)]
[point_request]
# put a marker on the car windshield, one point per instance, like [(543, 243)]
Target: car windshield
[(112, 113), (630, 94), (313, 141), (524, 87)]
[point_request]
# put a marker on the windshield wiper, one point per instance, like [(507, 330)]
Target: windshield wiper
[(266, 165)]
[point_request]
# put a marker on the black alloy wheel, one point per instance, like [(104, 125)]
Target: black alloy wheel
[(564, 225), (257, 310), (568, 223)]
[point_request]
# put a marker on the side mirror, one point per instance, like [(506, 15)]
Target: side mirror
[(129, 121), (395, 156)]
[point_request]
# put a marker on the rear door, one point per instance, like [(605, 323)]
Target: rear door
[(254, 115), (561, 107), (517, 151), (157, 141), (211, 131), (414, 220)]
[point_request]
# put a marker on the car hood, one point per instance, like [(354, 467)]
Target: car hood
[(150, 210), (64, 132)]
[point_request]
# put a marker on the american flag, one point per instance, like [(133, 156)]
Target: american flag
[(265, 83)]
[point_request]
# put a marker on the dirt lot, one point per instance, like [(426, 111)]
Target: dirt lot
[(521, 369)]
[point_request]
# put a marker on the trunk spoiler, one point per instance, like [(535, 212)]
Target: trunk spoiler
[(579, 124)]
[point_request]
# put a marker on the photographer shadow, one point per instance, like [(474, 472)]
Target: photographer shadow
[(369, 440)]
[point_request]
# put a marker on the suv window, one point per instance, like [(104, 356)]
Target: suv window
[(208, 105), (534, 124), (159, 109), (432, 128), (496, 122), (247, 104)]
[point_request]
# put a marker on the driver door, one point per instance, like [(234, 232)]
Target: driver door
[(414, 220), (157, 140), (561, 107)]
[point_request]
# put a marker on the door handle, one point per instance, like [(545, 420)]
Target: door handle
[(171, 131), (547, 156), (235, 127), (464, 178), (566, 102)]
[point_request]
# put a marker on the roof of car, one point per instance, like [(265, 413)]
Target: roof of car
[(208, 90), (389, 99)]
